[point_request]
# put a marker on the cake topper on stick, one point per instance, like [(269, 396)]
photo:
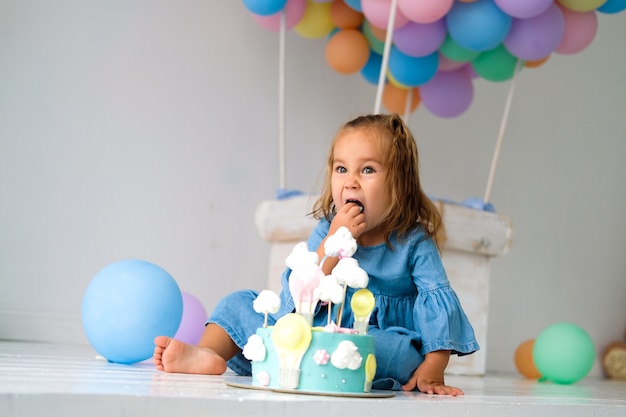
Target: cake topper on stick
[(362, 304), (304, 279), (349, 274), (267, 302), (331, 292)]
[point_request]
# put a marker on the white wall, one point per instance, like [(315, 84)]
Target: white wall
[(148, 129)]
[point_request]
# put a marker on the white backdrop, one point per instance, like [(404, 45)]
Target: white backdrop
[(148, 130)]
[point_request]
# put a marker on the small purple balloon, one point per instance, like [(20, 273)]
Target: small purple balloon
[(194, 318), (537, 37), (523, 9), (420, 39), (448, 94)]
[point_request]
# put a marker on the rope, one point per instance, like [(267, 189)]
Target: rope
[(386, 51), (281, 103), (503, 123)]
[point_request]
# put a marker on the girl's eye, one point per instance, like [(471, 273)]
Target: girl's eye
[(341, 170), (368, 170)]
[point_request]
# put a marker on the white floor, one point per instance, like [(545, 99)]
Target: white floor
[(54, 380)]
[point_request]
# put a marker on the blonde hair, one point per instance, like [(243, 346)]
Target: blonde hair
[(409, 206)]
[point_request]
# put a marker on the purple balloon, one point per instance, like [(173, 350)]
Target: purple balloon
[(420, 39), (523, 9), (448, 94), (537, 37), (194, 318)]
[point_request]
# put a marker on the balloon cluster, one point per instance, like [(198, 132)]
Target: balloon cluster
[(438, 47)]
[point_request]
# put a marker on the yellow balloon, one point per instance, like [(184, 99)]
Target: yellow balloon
[(581, 5), (370, 367), (362, 302), (316, 22), (395, 82), (292, 333)]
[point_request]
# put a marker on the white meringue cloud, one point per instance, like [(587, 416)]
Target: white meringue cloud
[(329, 290), (346, 356), (266, 302), (255, 350), (301, 256), (347, 271), (340, 243)]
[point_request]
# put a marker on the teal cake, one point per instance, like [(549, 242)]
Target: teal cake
[(293, 356)]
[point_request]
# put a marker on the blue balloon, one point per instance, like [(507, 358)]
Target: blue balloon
[(126, 305), (478, 26), (612, 6), (265, 7), (412, 71), (371, 70), (355, 4)]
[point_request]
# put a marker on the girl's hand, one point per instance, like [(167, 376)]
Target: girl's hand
[(351, 217), (430, 386), (428, 377)]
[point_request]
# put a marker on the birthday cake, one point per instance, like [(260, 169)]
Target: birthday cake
[(293, 355)]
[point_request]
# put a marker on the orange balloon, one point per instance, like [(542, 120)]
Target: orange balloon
[(524, 360), (344, 16), (394, 98), (537, 63), (347, 51)]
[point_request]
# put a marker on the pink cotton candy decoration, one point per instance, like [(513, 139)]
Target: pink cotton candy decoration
[(303, 281)]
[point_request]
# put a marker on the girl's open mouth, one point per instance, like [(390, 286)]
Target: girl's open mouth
[(357, 202)]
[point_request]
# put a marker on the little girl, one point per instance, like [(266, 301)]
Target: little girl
[(372, 187)]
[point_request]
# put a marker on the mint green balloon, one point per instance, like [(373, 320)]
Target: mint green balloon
[(495, 65), (564, 353), (455, 52)]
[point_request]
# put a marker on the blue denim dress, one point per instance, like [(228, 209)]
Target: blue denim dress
[(416, 311)]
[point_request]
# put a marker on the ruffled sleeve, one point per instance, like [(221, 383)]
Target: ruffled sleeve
[(437, 312)]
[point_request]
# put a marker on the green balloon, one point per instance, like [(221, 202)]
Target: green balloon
[(564, 353), (453, 51), (496, 64), (376, 45)]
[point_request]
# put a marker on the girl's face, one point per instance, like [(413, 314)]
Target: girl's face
[(358, 176)]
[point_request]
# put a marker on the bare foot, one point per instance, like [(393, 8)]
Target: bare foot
[(171, 355)]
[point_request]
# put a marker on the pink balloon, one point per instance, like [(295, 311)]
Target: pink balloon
[(294, 10), (580, 30), (420, 39), (377, 12), (194, 318), (523, 9), (536, 37), (449, 93), (425, 11), (469, 69), (446, 64)]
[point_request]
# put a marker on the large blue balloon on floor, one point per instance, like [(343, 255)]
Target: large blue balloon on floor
[(126, 305)]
